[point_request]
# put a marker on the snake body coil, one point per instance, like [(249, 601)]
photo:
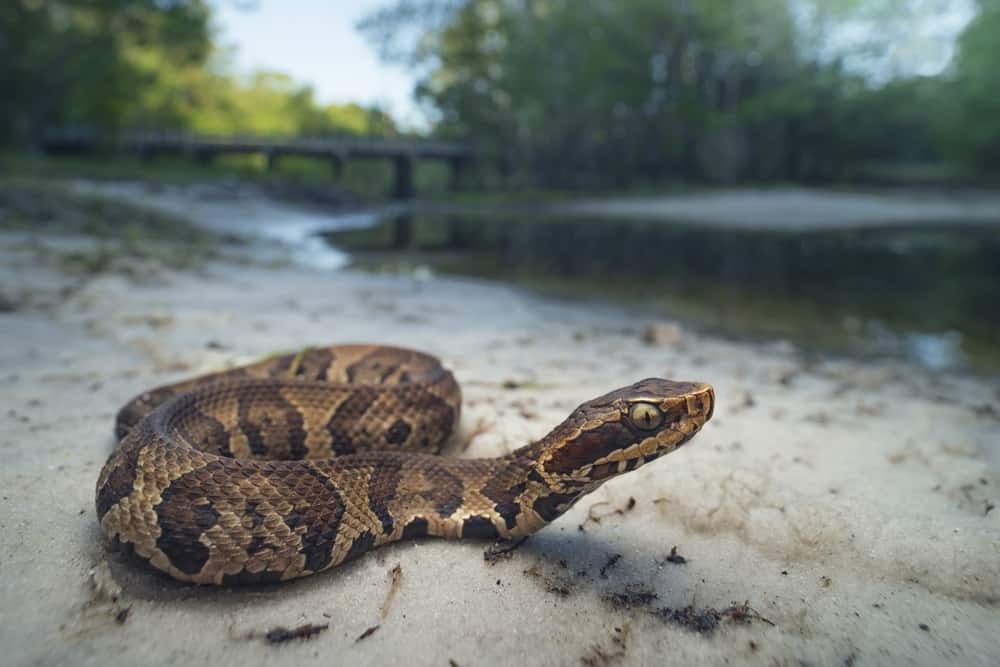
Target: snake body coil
[(293, 465)]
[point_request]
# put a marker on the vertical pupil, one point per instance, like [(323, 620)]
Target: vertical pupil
[(646, 416)]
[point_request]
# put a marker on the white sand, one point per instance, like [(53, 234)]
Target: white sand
[(846, 502)]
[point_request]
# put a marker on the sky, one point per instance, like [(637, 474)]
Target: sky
[(316, 42), (922, 37)]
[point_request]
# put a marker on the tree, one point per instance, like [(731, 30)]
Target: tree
[(81, 61), (972, 128), (618, 92)]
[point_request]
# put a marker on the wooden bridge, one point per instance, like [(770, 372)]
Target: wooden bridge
[(337, 149)]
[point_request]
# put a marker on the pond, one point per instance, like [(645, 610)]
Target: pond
[(926, 292)]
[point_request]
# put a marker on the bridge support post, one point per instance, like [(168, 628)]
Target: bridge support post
[(204, 157), (402, 231), (337, 166), (403, 185), (272, 161), (457, 166)]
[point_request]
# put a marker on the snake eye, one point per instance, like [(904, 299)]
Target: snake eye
[(645, 416)]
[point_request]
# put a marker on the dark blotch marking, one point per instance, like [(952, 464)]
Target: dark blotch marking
[(479, 526), (346, 416), (382, 487), (316, 558), (118, 485), (279, 366), (128, 552), (436, 416), (361, 544), (535, 476), (447, 496), (205, 433), (256, 544), (244, 578), (318, 510), (375, 367), (547, 506), (315, 364), (398, 432), (268, 419), (505, 497), (321, 517), (590, 446), (205, 516), (416, 528), (139, 407), (387, 373), (256, 518), (310, 365), (181, 522)]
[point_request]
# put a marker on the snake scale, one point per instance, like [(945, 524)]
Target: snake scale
[(292, 465)]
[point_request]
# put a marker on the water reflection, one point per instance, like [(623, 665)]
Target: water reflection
[(924, 292)]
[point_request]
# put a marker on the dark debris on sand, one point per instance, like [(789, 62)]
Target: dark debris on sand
[(281, 635)]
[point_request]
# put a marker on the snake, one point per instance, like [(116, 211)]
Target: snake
[(295, 464)]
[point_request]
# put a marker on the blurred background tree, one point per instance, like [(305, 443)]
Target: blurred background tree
[(622, 93), (95, 62), (972, 126), (112, 64), (558, 93)]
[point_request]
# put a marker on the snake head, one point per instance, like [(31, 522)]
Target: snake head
[(622, 430)]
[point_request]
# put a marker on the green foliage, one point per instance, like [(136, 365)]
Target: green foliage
[(555, 93), (621, 93), (76, 61), (202, 100), (972, 131), (113, 64), (576, 94)]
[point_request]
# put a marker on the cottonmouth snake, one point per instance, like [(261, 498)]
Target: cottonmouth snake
[(295, 464)]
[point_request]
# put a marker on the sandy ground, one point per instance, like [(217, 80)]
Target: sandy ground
[(850, 505), (799, 209)]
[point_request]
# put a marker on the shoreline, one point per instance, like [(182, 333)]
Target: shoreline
[(800, 209), (849, 504)]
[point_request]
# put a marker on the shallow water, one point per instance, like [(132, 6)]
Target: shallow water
[(926, 293), (300, 235)]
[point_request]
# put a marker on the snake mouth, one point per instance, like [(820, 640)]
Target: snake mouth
[(669, 438)]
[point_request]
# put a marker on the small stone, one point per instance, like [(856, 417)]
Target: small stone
[(662, 334)]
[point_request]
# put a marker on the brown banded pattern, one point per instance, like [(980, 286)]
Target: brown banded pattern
[(295, 464)]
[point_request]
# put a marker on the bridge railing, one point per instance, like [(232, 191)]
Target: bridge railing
[(343, 145)]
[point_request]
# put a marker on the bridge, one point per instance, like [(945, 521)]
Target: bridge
[(148, 144)]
